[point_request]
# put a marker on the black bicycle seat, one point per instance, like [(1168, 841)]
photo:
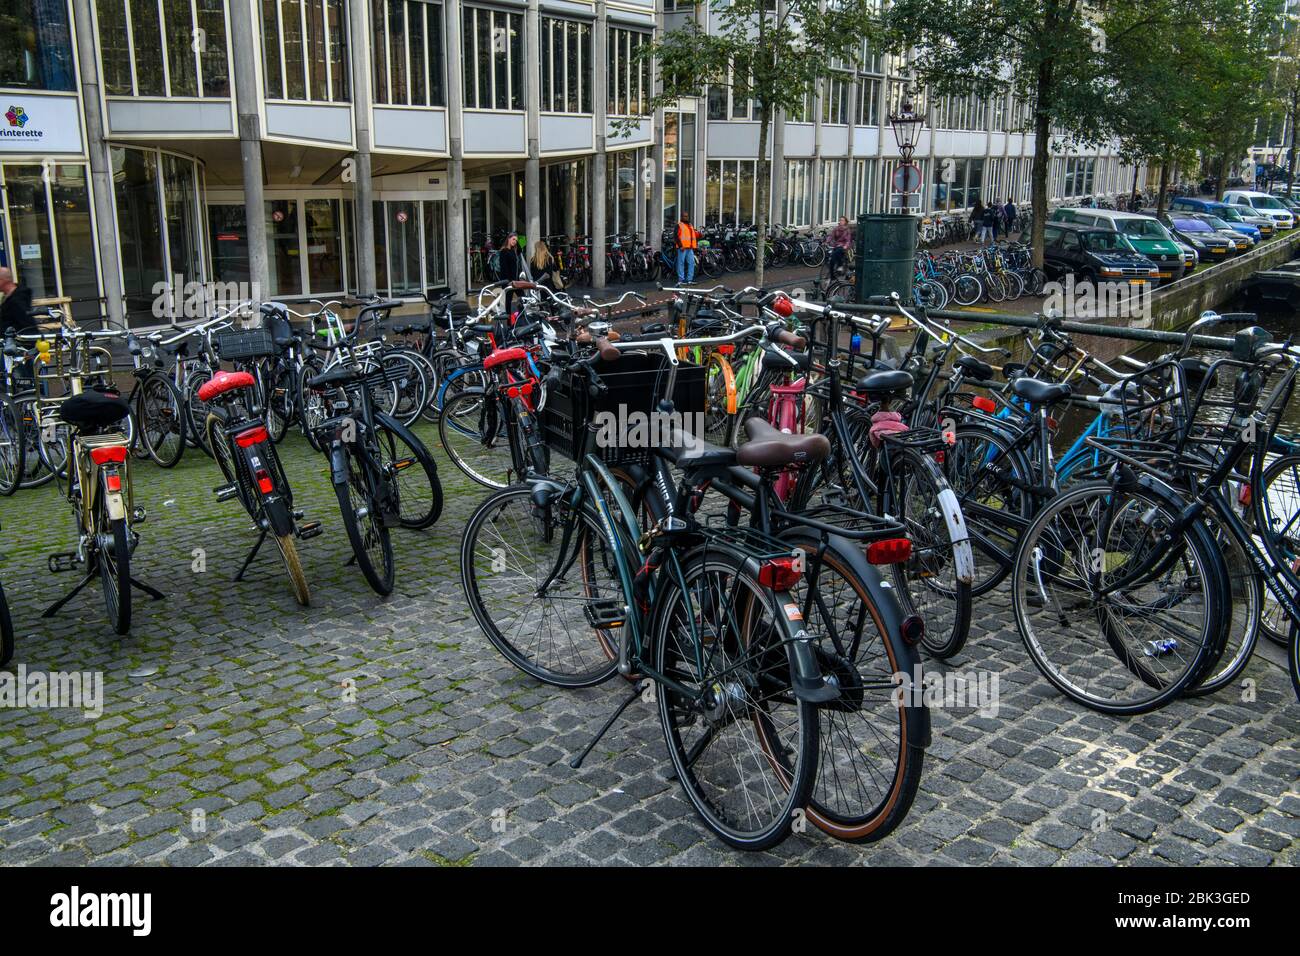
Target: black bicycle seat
[(779, 360), (335, 378), (973, 367), (1037, 392), (885, 382), (93, 410)]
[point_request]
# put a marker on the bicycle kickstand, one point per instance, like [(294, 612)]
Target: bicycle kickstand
[(54, 608), (257, 545), (576, 762)]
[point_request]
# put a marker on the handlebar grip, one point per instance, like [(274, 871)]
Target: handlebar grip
[(792, 339), (607, 351)]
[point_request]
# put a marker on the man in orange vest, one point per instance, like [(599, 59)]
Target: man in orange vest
[(688, 238)]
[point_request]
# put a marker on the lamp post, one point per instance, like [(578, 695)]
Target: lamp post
[(906, 123)]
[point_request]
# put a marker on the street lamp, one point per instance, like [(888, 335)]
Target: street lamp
[(907, 128)]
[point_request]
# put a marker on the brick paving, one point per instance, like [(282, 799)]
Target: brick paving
[(240, 729)]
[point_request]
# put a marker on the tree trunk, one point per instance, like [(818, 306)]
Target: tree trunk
[(764, 196), (1221, 178), (1038, 169), (1164, 187), (1290, 154)]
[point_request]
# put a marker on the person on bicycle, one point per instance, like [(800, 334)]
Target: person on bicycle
[(688, 240), (840, 239)]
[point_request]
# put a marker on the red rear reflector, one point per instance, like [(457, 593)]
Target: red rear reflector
[(1243, 495), (938, 455), (264, 483), (779, 574), (254, 436), (1051, 423), (889, 551), (113, 482), (726, 350), (109, 453), (984, 404)]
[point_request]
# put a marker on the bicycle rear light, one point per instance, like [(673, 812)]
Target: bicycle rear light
[(113, 482), (984, 404), (252, 436), (779, 574), (889, 551), (264, 483), (110, 453), (913, 629)]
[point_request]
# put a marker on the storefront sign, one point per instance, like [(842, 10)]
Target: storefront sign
[(30, 250), (35, 123)]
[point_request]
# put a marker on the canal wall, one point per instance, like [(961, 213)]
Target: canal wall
[(1176, 305)]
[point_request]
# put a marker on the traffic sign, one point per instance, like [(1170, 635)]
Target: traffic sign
[(907, 178)]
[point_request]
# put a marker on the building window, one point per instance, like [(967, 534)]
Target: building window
[(832, 199), (622, 190), (728, 102), (798, 193), (53, 238), (629, 74), (304, 50), (730, 191), (679, 164), (159, 211), (408, 53), (835, 101), (868, 105), (494, 59), (171, 48), (36, 46), (565, 66), (564, 201)]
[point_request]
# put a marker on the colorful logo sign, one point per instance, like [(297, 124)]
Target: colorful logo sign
[(17, 116)]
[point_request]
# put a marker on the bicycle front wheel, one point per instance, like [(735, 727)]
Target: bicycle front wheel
[(13, 447), (475, 439), (408, 463), (370, 538), (544, 586), (744, 748), (160, 411), (1116, 617)]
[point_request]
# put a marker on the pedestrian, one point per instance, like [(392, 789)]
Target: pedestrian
[(511, 266), (16, 309), (977, 219), (1010, 213), (543, 267), (988, 224), (688, 240), (841, 239)]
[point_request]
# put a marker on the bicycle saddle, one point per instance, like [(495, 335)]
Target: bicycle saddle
[(93, 410), (885, 382), (973, 367), (654, 328), (781, 360), (335, 377), (223, 382), (769, 447), (1037, 392)]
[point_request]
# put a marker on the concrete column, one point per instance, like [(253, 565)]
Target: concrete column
[(245, 42), (701, 133), (655, 226), (456, 253), (533, 87), (777, 212), (850, 173), (815, 180), (101, 178), (600, 57), (363, 187)]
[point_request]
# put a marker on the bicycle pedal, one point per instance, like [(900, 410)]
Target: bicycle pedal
[(62, 561), (225, 492), (310, 529), (605, 615)]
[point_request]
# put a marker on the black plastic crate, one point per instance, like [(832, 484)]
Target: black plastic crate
[(634, 384), (238, 344)]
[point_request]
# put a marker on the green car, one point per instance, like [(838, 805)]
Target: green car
[(1145, 233)]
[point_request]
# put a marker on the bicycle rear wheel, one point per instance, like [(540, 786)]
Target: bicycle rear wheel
[(13, 447), (744, 748), (1117, 618), (472, 435), (370, 538), (114, 558), (408, 463), (6, 631)]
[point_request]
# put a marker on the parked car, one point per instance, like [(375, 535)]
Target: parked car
[(1208, 242), (1243, 239), (1094, 254), (1266, 225), (1190, 259), (1263, 204), (1146, 234), (1229, 214)]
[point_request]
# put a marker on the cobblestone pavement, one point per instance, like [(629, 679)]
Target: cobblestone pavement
[(231, 700)]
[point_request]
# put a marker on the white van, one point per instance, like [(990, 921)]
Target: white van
[(1263, 204)]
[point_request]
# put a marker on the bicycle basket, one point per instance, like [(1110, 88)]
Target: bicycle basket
[(631, 400), (238, 344)]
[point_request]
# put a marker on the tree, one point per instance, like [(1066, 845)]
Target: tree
[(1050, 52), (773, 52)]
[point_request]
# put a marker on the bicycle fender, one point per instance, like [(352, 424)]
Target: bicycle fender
[(962, 555), (114, 502), (338, 463)]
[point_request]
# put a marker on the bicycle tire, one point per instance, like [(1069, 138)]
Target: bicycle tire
[(416, 510), (789, 757), (115, 572), (13, 447), (356, 493), (293, 567), (163, 440), (472, 436)]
